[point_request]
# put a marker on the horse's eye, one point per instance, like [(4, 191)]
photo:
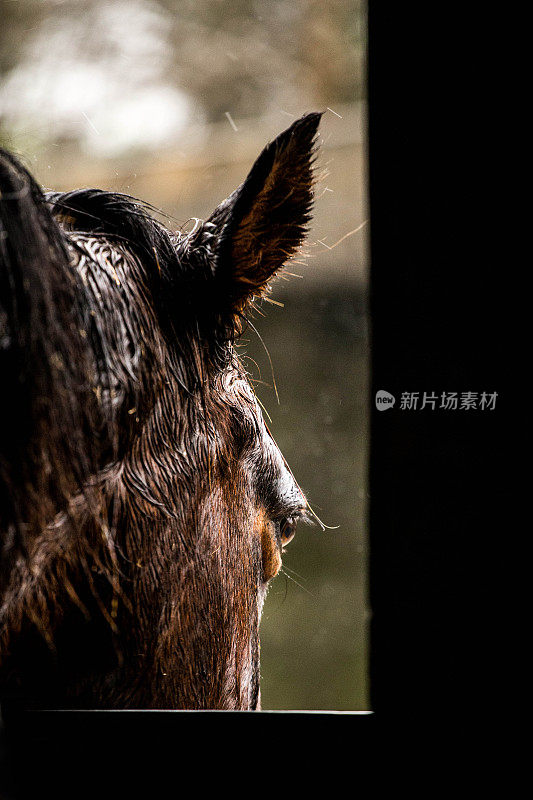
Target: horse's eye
[(287, 529)]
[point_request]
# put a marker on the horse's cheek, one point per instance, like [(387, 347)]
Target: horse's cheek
[(270, 552)]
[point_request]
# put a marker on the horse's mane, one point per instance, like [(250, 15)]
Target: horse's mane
[(63, 342), (178, 266), (122, 218)]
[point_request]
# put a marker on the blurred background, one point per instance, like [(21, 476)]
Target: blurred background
[(171, 101)]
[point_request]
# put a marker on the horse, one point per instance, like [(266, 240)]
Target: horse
[(144, 504)]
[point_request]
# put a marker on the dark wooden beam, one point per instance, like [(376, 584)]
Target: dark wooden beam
[(438, 282)]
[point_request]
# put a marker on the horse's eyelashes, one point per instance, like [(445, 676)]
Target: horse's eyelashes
[(286, 526)]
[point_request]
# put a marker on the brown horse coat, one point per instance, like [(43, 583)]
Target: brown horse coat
[(143, 502)]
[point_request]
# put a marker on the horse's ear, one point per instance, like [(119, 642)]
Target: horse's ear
[(264, 221)]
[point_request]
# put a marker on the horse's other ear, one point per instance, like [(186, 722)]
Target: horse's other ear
[(264, 221)]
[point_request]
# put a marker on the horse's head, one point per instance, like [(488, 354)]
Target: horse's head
[(149, 582)]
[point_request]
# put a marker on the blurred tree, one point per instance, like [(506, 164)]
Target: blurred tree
[(246, 57), (250, 55), (17, 21)]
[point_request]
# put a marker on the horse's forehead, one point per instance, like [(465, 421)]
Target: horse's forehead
[(236, 386), (263, 459), (236, 391)]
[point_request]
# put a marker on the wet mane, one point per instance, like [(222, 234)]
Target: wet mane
[(182, 288)]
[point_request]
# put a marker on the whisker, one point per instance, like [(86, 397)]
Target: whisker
[(294, 572), (269, 359), (264, 409), (351, 233), (296, 582), (322, 524)]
